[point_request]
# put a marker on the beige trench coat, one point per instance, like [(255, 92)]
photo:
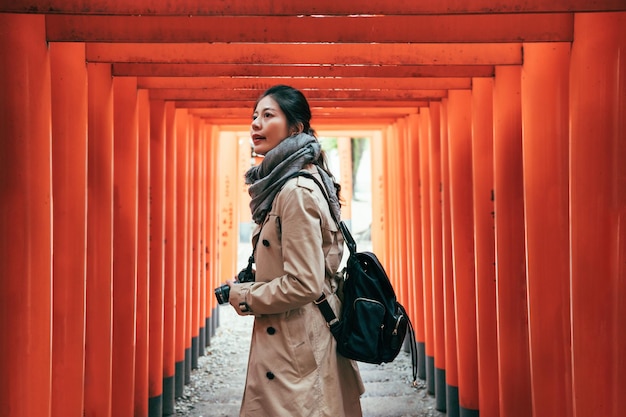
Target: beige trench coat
[(293, 368)]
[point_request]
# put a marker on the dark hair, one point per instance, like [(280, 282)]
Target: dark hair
[(298, 113), (293, 104)]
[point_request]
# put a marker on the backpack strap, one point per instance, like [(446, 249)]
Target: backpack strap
[(329, 315), (347, 236), (322, 303), (412, 345)]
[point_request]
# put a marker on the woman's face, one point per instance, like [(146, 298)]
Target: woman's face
[(269, 126)]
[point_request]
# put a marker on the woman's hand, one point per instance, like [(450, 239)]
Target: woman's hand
[(238, 296)]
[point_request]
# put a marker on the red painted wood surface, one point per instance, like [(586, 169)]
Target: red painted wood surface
[(125, 162), (597, 207), (213, 280), (69, 184), (25, 217), (452, 376), (529, 27), (484, 246), (194, 239), (379, 200), (461, 216), (143, 256), (170, 254), (157, 245), (403, 237), (173, 69), (436, 218), (320, 7), (99, 285), (182, 274), (545, 81), (426, 236), (514, 361), (202, 202), (311, 53), (415, 288)]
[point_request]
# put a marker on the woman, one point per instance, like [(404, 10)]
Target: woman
[(293, 368)]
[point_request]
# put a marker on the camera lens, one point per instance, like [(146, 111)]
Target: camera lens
[(221, 293)]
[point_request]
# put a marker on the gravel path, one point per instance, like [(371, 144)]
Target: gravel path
[(217, 385)]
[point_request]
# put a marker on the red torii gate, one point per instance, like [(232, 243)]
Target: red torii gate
[(521, 114)]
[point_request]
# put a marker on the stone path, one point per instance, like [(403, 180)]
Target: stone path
[(217, 385)]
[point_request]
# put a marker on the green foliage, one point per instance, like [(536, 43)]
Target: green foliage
[(328, 143), (358, 146)]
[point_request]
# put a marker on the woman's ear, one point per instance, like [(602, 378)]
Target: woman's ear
[(294, 130)]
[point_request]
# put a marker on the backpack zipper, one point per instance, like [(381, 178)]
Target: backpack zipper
[(395, 329)]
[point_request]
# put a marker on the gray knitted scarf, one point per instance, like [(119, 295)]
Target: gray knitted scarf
[(279, 164)]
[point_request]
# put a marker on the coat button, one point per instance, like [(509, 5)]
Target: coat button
[(269, 375), (266, 242), (271, 330)]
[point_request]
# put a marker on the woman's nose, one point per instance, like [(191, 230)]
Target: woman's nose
[(255, 124)]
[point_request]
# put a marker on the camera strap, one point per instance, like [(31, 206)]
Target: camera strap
[(250, 262)]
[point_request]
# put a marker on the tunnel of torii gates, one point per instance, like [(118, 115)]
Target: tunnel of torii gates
[(498, 147)]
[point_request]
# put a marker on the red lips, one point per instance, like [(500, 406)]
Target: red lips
[(256, 138)]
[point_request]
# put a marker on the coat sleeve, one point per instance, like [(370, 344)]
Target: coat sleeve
[(303, 260)]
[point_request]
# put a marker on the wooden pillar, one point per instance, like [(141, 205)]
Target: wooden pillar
[(99, 286), (405, 218), (25, 217), (170, 258), (344, 147), (124, 244), (411, 264), (390, 231), (212, 228), (390, 206), (436, 221), (484, 246), (227, 201), (427, 268), (402, 219), (202, 206), (460, 160), (194, 238), (452, 379), (405, 186), (189, 275), (158, 141), (415, 307), (545, 123), (515, 394), (414, 256), (245, 162), (69, 191), (182, 139), (143, 261), (598, 211), (379, 213), (210, 319)]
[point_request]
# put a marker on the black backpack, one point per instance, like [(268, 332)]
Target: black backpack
[(373, 324)]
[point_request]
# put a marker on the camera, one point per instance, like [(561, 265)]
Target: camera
[(222, 292)]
